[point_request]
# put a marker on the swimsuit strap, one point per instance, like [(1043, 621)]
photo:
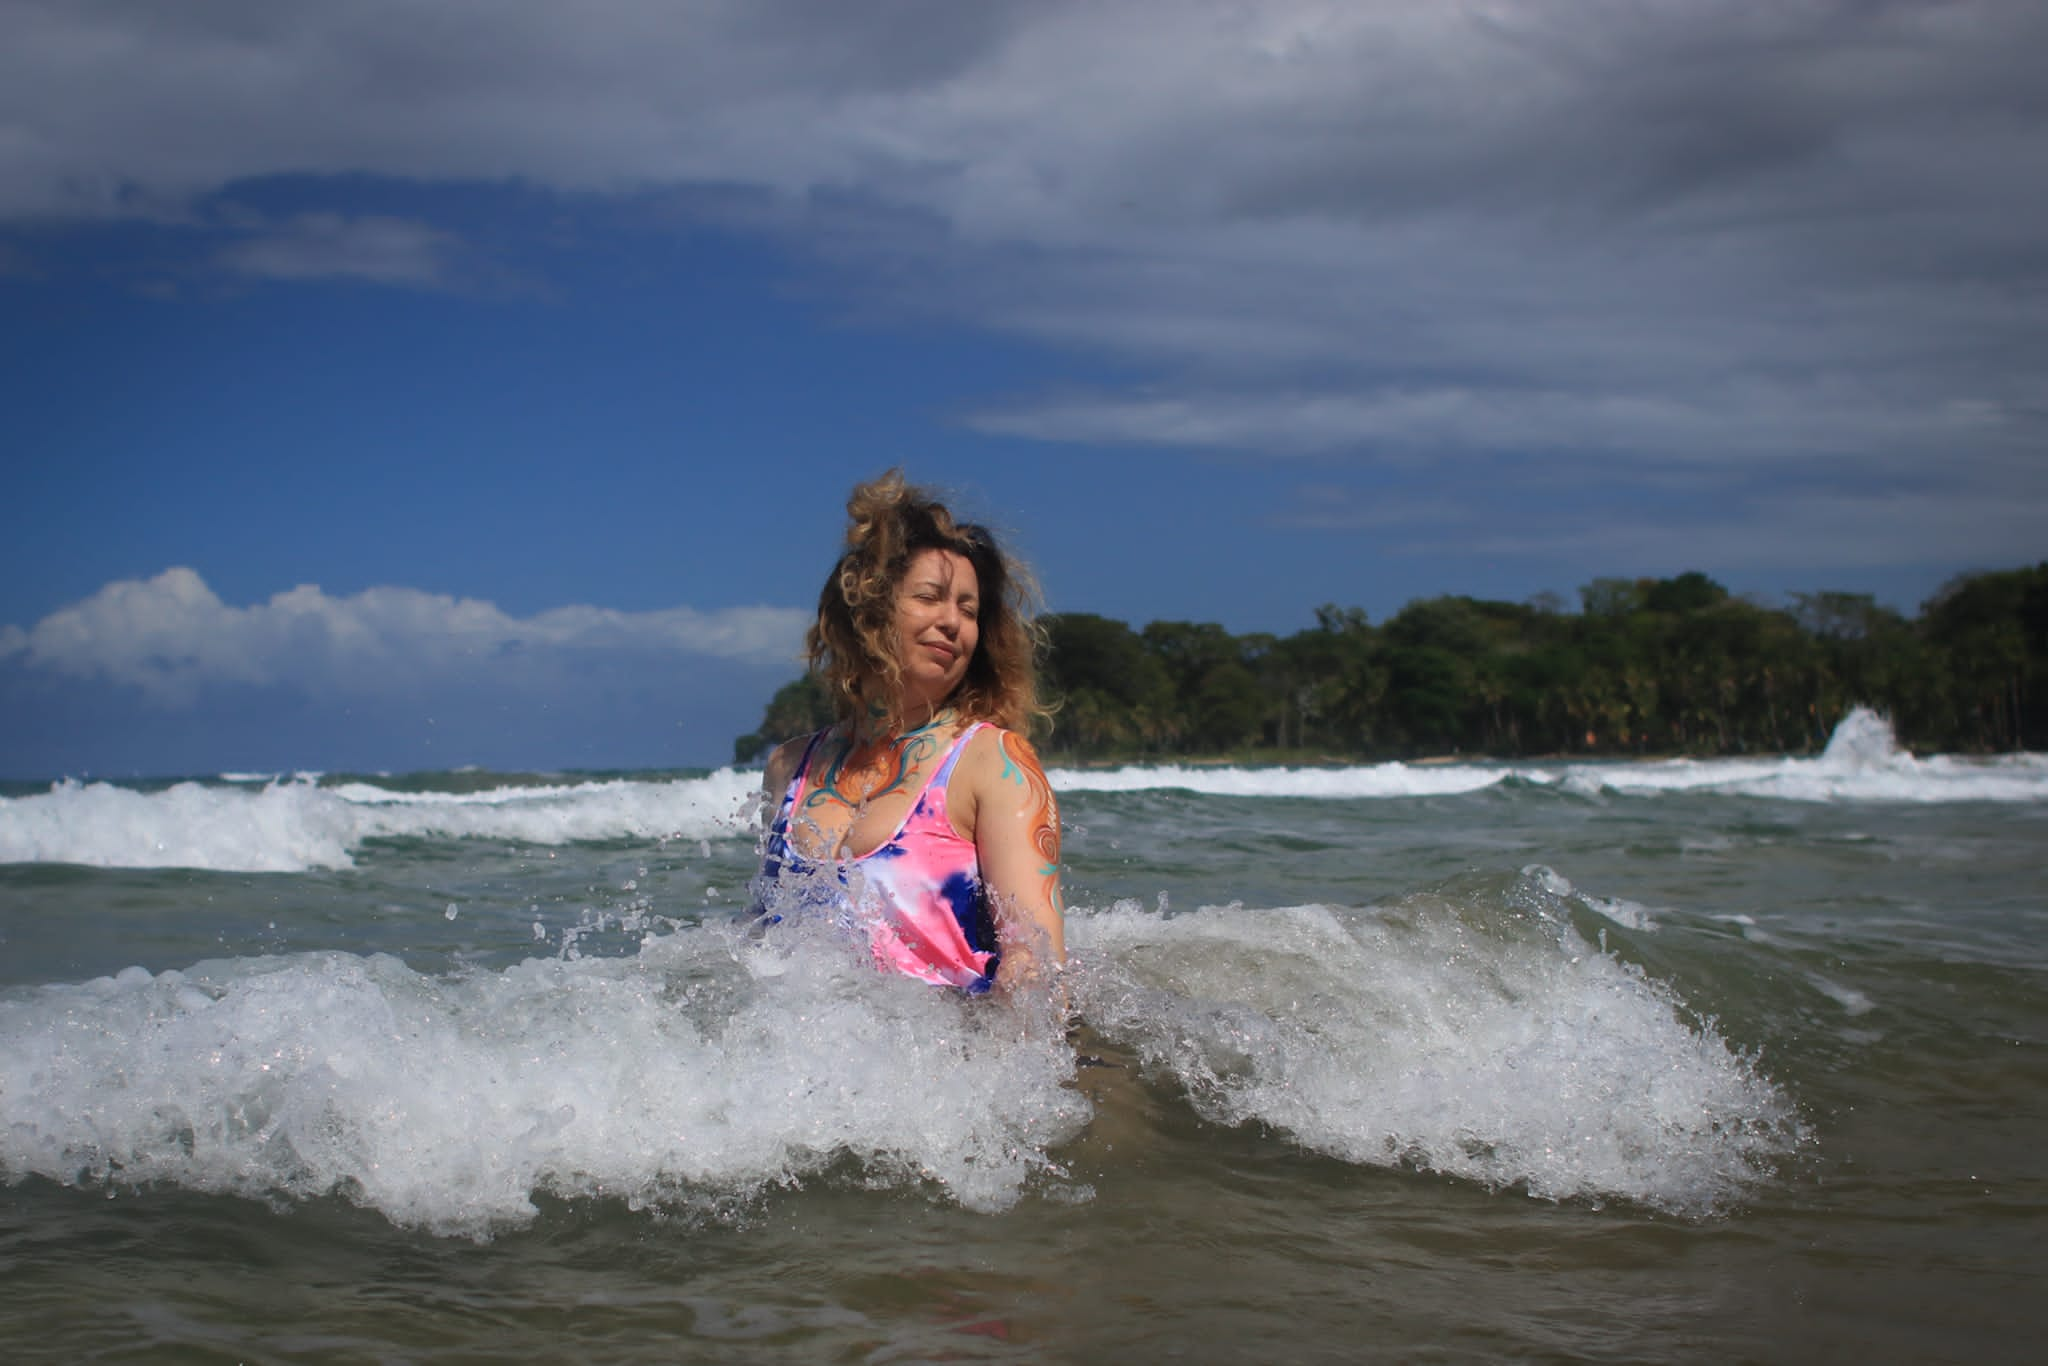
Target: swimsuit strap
[(959, 747)]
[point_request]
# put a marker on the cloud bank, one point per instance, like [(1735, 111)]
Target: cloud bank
[(172, 638)]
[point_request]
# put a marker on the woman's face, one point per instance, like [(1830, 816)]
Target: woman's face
[(937, 606)]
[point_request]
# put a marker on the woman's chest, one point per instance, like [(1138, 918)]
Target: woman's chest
[(852, 804)]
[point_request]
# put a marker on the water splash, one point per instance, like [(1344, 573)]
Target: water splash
[(1863, 741), (1470, 1031), (695, 1076)]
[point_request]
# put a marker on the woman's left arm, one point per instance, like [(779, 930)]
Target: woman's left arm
[(1017, 838)]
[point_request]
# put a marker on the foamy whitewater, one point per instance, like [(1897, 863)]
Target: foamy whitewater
[(1387, 1032), (295, 824)]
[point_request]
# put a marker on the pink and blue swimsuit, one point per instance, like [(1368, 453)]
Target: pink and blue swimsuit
[(917, 895)]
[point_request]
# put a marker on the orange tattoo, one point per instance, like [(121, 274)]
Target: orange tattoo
[(1020, 766), (856, 774)]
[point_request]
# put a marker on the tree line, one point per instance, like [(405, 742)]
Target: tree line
[(1646, 666)]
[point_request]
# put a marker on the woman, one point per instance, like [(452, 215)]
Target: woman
[(922, 817)]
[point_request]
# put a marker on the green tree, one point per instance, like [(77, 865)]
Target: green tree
[(1613, 597), (1991, 630), (1691, 591), (1205, 709), (1324, 684), (1663, 665), (1111, 691)]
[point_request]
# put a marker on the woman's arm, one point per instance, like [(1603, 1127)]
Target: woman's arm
[(1017, 838)]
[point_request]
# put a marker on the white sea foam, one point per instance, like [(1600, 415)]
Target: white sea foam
[(1628, 914), (1485, 1040), (1377, 780), (1852, 1001), (285, 828), (1504, 1049), (1862, 763), (296, 826), (707, 1069)]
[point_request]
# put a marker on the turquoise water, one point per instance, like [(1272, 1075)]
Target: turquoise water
[(1654, 1062)]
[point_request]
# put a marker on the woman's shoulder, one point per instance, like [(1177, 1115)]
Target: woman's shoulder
[(996, 750), (784, 758), (984, 734)]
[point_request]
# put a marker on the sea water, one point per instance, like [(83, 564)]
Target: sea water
[(1659, 1061)]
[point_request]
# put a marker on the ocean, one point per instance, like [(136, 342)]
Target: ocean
[(1664, 1061)]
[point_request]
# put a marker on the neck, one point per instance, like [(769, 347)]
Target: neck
[(875, 728)]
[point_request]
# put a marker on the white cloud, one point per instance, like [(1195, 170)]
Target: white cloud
[(378, 249), (172, 636), (1855, 529), (1757, 422)]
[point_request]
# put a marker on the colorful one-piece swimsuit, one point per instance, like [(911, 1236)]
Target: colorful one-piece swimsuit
[(918, 894)]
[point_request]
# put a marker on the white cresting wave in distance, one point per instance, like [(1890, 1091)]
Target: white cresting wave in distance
[(1862, 763), (294, 826), (290, 827), (1377, 780)]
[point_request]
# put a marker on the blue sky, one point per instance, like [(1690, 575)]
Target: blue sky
[(401, 385)]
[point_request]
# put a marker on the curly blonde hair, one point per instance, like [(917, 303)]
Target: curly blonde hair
[(852, 643)]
